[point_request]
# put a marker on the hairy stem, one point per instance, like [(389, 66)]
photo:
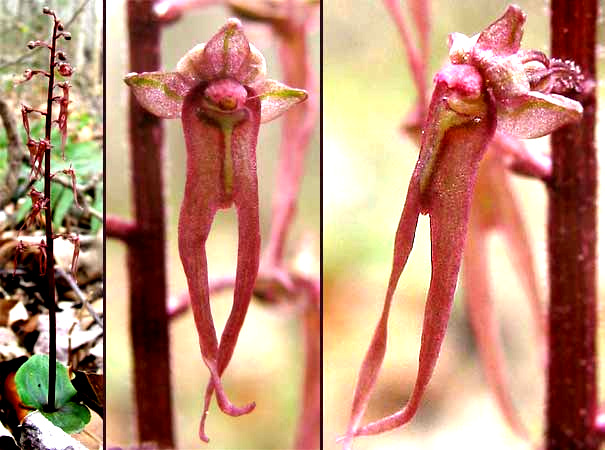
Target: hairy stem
[(50, 272), (146, 254), (572, 390)]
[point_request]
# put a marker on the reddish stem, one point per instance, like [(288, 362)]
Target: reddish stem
[(118, 228), (146, 254), (50, 272), (572, 389)]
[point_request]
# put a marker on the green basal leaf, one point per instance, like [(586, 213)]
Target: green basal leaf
[(32, 383), (71, 417)]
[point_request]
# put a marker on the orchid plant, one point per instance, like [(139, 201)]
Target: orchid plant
[(490, 87), (221, 93), (39, 158)]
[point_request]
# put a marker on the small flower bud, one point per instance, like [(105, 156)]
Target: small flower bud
[(67, 36), (46, 10), (61, 55), (65, 69), (31, 45), (60, 26)]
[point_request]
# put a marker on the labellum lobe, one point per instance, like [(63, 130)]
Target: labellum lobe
[(221, 129), (460, 124)]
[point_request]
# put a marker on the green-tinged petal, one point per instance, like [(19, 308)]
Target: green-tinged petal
[(189, 66), (276, 98), (503, 37), (160, 93), (225, 53), (535, 114), (254, 68), (461, 47)]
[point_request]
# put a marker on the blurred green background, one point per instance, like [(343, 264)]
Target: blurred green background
[(367, 164), (267, 364)]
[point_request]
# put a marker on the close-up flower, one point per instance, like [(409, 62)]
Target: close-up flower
[(489, 94), (220, 92)]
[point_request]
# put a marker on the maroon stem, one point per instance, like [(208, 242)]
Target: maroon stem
[(50, 271), (118, 228), (146, 252), (572, 389)]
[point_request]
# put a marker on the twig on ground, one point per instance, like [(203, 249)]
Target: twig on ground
[(79, 294)]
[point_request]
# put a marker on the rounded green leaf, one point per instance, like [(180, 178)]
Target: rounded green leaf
[(71, 417), (32, 383)]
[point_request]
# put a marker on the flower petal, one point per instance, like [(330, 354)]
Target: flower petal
[(503, 37), (372, 361), (253, 69), (189, 66), (224, 55), (192, 66), (276, 98), (160, 93), (535, 114)]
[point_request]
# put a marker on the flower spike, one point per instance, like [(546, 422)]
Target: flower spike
[(220, 93)]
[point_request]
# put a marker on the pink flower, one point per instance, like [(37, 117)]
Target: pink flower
[(220, 92), (491, 85)]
